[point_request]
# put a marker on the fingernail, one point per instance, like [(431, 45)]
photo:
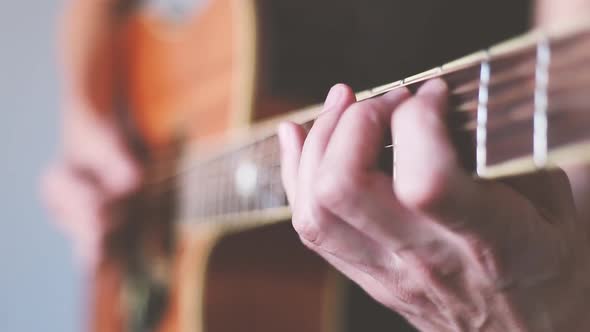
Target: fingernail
[(435, 89), (334, 96)]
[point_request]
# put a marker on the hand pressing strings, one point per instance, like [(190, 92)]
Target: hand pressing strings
[(447, 251)]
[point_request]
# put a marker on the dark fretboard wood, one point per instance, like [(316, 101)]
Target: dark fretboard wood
[(516, 107)]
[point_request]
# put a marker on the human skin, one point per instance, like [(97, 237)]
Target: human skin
[(446, 250), (93, 167), (552, 12), (437, 274)]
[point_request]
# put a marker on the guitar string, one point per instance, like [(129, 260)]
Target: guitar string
[(513, 72), (273, 166), (200, 165), (568, 43), (467, 126), (265, 168)]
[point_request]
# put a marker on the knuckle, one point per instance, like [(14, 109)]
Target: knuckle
[(304, 227), (311, 226), (434, 262), (485, 257)]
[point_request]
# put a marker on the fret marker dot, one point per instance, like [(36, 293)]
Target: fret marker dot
[(246, 178)]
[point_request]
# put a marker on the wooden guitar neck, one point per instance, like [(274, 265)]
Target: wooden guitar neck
[(519, 106)]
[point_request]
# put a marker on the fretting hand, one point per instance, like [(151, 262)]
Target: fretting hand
[(447, 251)]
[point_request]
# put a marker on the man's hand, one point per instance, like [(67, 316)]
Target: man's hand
[(93, 171), (447, 251)]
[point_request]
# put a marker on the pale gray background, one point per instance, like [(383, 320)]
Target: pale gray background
[(40, 288)]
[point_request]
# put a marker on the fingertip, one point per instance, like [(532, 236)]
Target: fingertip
[(338, 95), (434, 91), (435, 86), (341, 88), (334, 97), (347, 92)]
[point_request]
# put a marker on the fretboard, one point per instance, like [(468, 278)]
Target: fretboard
[(517, 107)]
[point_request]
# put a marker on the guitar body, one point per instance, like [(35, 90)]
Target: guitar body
[(199, 77), (261, 280), (219, 66)]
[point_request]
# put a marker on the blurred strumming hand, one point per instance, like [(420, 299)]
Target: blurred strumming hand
[(94, 167)]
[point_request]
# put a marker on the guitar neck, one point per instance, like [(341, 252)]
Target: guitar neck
[(517, 107)]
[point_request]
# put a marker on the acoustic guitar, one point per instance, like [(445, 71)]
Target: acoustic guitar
[(200, 86)]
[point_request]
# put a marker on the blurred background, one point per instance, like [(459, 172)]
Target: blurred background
[(40, 287)]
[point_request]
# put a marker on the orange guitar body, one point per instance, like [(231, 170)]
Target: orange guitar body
[(202, 74)]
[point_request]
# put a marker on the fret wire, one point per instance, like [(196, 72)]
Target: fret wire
[(224, 185), (482, 117), (208, 204), (266, 159), (540, 146), (232, 184), (259, 199), (239, 196), (266, 196), (200, 198), (203, 198), (216, 196), (276, 187)]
